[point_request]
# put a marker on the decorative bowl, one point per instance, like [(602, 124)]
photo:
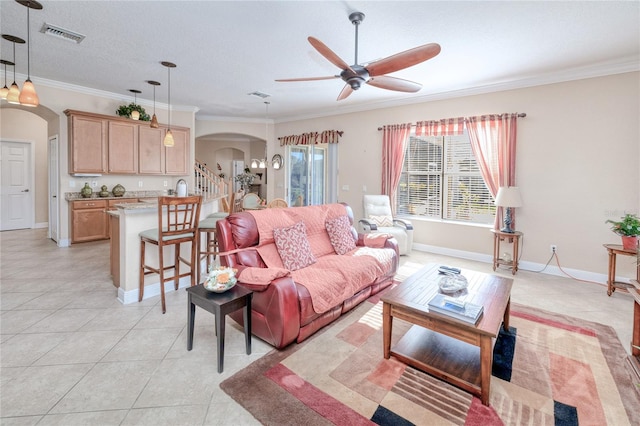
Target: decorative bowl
[(452, 283), (220, 279)]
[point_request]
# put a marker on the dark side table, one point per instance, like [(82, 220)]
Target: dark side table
[(219, 304)]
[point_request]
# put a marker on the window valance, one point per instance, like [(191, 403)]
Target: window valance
[(312, 138)]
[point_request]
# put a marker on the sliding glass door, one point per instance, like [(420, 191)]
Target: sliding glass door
[(308, 181)]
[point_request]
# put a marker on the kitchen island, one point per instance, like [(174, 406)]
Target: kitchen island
[(126, 224)]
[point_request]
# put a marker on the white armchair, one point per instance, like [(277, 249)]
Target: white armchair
[(378, 218)]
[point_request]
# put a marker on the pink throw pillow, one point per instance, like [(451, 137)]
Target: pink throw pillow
[(339, 230), (293, 246)]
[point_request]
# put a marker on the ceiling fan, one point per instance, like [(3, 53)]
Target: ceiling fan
[(373, 73)]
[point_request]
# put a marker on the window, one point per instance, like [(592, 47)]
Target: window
[(441, 179)]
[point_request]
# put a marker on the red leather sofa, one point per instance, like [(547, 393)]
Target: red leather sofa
[(282, 310)]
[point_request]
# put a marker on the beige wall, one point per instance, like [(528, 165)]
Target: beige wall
[(12, 128), (577, 165)]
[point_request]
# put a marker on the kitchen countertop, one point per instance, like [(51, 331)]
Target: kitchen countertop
[(74, 196)]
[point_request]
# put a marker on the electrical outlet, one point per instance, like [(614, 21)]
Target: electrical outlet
[(165, 183), (94, 183), (553, 248), (139, 184)]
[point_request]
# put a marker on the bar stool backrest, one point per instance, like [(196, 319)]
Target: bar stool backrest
[(178, 216)]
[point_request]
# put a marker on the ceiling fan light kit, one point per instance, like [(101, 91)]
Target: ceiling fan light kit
[(374, 73)]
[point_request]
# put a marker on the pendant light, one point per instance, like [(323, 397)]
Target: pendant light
[(13, 97), (5, 90), (154, 119), (168, 137), (135, 114), (28, 96), (263, 161)]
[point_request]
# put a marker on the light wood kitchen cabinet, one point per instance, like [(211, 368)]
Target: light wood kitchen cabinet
[(87, 144), (150, 151), (176, 157), (123, 147), (102, 144), (89, 220)]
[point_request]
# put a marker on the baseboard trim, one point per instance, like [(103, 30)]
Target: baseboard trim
[(523, 266), (150, 290)]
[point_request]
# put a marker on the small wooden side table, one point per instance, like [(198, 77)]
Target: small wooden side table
[(513, 237), (613, 250), (219, 304)]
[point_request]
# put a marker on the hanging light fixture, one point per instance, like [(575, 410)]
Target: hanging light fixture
[(13, 96), (168, 137), (28, 96), (262, 163), (5, 90), (135, 114), (154, 119)]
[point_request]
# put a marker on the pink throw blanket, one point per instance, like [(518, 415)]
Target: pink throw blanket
[(333, 278)]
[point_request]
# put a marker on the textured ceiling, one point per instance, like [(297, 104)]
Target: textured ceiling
[(225, 50)]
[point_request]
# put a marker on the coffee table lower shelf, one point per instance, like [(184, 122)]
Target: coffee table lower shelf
[(443, 357)]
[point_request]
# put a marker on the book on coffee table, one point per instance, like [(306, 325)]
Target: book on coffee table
[(456, 308)]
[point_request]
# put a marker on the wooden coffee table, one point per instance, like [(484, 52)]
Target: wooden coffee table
[(452, 350)]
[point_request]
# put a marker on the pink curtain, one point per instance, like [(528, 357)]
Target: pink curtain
[(444, 127), (493, 140), (394, 140)]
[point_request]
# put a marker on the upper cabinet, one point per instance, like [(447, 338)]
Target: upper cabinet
[(100, 144), (123, 147), (87, 144)]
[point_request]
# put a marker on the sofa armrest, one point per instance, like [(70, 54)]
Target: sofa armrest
[(403, 223), (367, 225)]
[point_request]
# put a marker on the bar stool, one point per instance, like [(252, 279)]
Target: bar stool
[(207, 231), (178, 220)]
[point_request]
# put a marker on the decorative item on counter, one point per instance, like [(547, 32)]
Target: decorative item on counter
[(181, 188), (86, 191), (220, 279), (104, 192), (118, 190)]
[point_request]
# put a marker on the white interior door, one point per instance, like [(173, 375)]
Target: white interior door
[(53, 188), (16, 196)]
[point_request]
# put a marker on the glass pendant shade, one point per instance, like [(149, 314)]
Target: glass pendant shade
[(28, 96), (276, 165), (4, 92), (154, 122), (13, 97), (168, 138), (135, 115), (254, 164), (262, 164)]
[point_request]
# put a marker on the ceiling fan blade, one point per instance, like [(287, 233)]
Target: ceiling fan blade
[(328, 54), (403, 60), (394, 83), (309, 78), (346, 91)]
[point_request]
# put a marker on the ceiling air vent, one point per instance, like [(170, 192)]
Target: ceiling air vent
[(59, 32), (259, 94)]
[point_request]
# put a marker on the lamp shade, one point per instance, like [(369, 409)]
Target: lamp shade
[(509, 196), (168, 138), (13, 97), (28, 96)]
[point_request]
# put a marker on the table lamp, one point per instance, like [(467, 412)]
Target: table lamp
[(509, 197)]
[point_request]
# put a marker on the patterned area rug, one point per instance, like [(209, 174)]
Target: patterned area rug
[(549, 369)]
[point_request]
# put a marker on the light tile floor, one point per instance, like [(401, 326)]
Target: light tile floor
[(71, 354)]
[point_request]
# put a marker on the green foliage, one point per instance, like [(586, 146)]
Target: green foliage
[(629, 225), (125, 111)]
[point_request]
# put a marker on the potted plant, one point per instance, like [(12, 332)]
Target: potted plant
[(125, 111), (629, 229)]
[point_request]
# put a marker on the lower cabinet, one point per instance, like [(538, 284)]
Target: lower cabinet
[(89, 220)]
